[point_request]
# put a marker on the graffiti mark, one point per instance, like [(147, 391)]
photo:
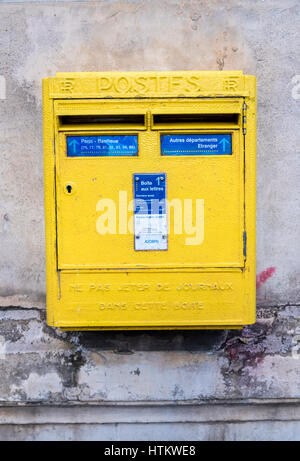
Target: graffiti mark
[(263, 276)]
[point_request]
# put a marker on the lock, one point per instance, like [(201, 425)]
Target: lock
[(70, 188), (150, 200)]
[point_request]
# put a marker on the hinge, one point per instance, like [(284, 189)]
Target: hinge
[(244, 118), (245, 244)]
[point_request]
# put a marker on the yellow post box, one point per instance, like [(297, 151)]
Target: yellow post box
[(150, 200)]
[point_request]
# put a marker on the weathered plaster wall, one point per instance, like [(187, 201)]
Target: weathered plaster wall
[(41, 366), (38, 39)]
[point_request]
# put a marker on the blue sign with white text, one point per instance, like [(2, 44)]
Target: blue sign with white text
[(196, 144), (150, 193), (102, 146)]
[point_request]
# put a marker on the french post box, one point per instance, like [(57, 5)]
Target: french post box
[(150, 200)]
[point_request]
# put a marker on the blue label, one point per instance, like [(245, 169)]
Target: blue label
[(149, 193), (102, 146), (196, 144)]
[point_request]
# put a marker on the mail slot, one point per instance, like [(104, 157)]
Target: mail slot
[(150, 200)]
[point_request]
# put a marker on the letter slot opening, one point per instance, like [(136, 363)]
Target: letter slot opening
[(102, 122), (161, 121)]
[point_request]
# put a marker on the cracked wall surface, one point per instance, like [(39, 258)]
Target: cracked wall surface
[(40, 365)]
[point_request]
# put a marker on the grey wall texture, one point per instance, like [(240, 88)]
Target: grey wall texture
[(232, 385)]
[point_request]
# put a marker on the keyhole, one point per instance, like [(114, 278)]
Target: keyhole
[(69, 188)]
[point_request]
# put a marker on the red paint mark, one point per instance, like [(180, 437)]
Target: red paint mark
[(264, 276)]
